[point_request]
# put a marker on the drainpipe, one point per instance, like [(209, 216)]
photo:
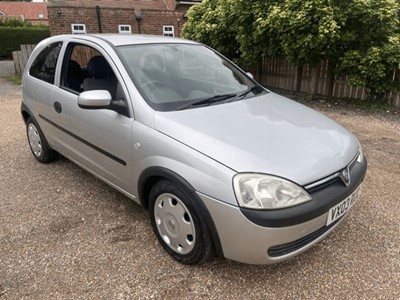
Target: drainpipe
[(98, 18)]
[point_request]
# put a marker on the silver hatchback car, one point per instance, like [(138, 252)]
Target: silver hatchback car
[(223, 165)]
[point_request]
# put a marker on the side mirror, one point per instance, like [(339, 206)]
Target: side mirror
[(250, 75), (97, 99)]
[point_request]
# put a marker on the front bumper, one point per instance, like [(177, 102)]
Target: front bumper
[(262, 238)]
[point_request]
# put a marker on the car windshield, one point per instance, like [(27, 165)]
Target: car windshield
[(183, 76)]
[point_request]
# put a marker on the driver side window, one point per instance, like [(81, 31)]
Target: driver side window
[(85, 69)]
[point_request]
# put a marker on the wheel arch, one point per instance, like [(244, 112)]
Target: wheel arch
[(25, 113), (151, 175)]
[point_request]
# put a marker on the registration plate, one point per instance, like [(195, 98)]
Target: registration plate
[(342, 207)]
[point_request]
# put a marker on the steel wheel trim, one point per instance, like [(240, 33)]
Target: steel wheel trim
[(34, 140), (174, 223)]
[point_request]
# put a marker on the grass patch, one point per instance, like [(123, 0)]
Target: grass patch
[(14, 79)]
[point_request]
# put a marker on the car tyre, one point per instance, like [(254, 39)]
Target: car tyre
[(178, 223), (38, 144)]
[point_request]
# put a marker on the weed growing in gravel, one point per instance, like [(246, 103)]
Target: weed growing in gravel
[(16, 79)]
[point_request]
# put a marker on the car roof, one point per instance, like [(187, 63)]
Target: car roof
[(125, 39)]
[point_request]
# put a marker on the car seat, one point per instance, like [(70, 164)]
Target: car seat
[(74, 76), (101, 75)]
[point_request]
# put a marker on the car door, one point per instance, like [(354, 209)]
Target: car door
[(38, 82), (97, 139)]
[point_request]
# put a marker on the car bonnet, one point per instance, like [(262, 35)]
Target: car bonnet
[(267, 134)]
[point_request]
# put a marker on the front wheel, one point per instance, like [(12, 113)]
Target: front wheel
[(39, 147), (178, 223)]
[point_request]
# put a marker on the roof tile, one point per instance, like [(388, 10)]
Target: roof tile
[(29, 10)]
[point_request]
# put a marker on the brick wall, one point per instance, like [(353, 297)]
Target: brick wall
[(171, 4), (153, 21), (61, 18)]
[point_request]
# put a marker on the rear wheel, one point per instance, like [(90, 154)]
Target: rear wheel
[(39, 147), (178, 223)]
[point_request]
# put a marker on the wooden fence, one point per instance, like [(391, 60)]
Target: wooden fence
[(278, 73), (21, 58)]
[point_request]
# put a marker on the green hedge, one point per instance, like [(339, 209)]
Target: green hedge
[(12, 37)]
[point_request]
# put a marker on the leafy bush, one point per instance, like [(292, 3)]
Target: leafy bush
[(360, 38), (11, 22), (13, 37)]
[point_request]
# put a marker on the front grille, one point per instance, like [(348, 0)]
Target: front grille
[(325, 184), (332, 179), (284, 249)]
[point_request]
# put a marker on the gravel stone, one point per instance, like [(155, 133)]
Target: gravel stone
[(66, 235)]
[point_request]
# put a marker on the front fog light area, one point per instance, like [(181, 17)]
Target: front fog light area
[(259, 191)]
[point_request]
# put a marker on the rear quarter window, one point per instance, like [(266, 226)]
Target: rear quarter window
[(44, 66)]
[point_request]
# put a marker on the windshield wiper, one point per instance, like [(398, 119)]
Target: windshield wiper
[(253, 89), (208, 101)]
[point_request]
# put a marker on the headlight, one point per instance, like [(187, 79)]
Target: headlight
[(260, 191), (360, 156)]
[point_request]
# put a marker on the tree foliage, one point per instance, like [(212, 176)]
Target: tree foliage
[(210, 23), (361, 38), (369, 48), (306, 30), (228, 26)]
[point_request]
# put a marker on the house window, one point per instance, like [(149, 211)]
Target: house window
[(78, 28), (124, 29), (168, 31), (41, 16)]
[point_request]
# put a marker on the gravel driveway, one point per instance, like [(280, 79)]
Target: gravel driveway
[(66, 235)]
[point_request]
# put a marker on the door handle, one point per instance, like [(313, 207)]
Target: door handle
[(57, 107)]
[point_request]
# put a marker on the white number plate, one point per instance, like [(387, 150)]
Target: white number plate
[(343, 207)]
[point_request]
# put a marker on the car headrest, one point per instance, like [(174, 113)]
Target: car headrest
[(98, 67)]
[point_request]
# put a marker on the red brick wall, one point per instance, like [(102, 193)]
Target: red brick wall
[(61, 18), (153, 21), (171, 4)]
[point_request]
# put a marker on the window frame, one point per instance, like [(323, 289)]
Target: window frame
[(78, 31), (120, 31), (169, 32), (67, 55)]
